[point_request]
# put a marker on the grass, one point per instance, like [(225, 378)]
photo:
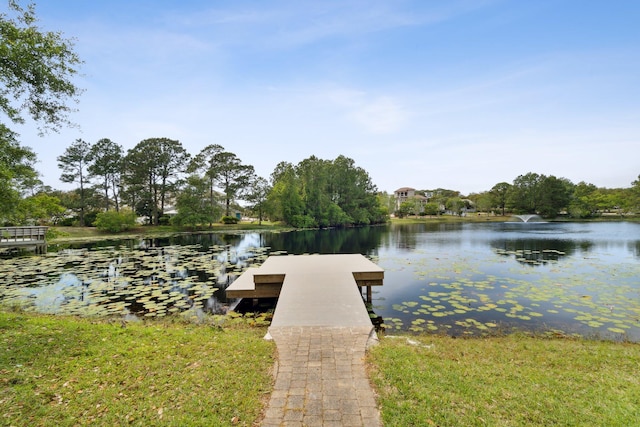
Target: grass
[(513, 380), (68, 371), (74, 234), (499, 218), (450, 218)]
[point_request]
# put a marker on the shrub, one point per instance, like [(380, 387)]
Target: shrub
[(68, 222), (90, 218), (229, 220), (303, 221), (114, 221)]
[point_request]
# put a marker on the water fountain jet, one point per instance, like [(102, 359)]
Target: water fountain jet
[(529, 218)]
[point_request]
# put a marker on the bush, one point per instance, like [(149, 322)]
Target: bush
[(115, 222), (303, 221), (229, 220), (68, 222), (90, 218)]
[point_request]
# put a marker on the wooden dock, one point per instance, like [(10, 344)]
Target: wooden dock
[(24, 237), (268, 280), (321, 328)]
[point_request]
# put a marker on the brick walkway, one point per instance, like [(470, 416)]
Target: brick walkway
[(321, 378)]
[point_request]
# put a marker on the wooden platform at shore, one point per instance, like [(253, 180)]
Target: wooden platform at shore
[(312, 290), (24, 238)]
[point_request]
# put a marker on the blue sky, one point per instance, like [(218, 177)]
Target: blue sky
[(451, 94)]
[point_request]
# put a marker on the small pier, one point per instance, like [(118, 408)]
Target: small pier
[(24, 238), (321, 328), (267, 281)]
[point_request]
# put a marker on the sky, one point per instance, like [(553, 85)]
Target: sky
[(455, 94)]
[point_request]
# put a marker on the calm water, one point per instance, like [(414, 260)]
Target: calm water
[(474, 278)]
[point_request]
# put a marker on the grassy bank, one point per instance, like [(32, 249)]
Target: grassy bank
[(68, 371), (506, 218), (451, 218), (79, 234), (506, 381)]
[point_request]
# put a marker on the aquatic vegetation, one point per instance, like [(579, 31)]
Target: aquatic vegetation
[(467, 296), (146, 281), (558, 278)]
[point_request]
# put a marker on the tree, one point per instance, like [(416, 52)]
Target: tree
[(284, 201), (387, 202), (555, 194), (540, 194), (321, 193), (431, 208), (406, 208), (354, 193), (133, 182), (153, 168), (225, 170), (39, 209), (233, 177), (16, 172), (204, 162), (313, 174), (455, 205), (36, 69), (524, 195), (105, 160), (483, 202), (74, 163), (584, 201), (257, 195), (115, 222), (192, 204), (634, 200), (500, 193)]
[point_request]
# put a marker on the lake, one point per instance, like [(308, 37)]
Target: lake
[(455, 278)]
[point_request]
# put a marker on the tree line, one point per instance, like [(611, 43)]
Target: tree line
[(530, 193), (202, 189), (550, 196), (205, 188)]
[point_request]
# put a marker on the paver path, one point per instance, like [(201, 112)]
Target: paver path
[(321, 378)]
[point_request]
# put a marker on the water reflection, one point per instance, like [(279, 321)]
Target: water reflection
[(482, 277), (362, 240), (534, 252)]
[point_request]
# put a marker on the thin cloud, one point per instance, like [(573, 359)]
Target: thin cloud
[(377, 114), (294, 24), (381, 115)]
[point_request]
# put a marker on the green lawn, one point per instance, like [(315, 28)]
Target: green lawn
[(68, 371), (63, 371), (89, 234), (506, 381)]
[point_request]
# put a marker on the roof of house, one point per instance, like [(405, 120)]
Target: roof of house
[(405, 189)]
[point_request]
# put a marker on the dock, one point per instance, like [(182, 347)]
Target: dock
[(267, 281), (322, 329), (27, 237)]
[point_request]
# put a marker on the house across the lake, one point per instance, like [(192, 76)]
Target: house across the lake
[(406, 194)]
